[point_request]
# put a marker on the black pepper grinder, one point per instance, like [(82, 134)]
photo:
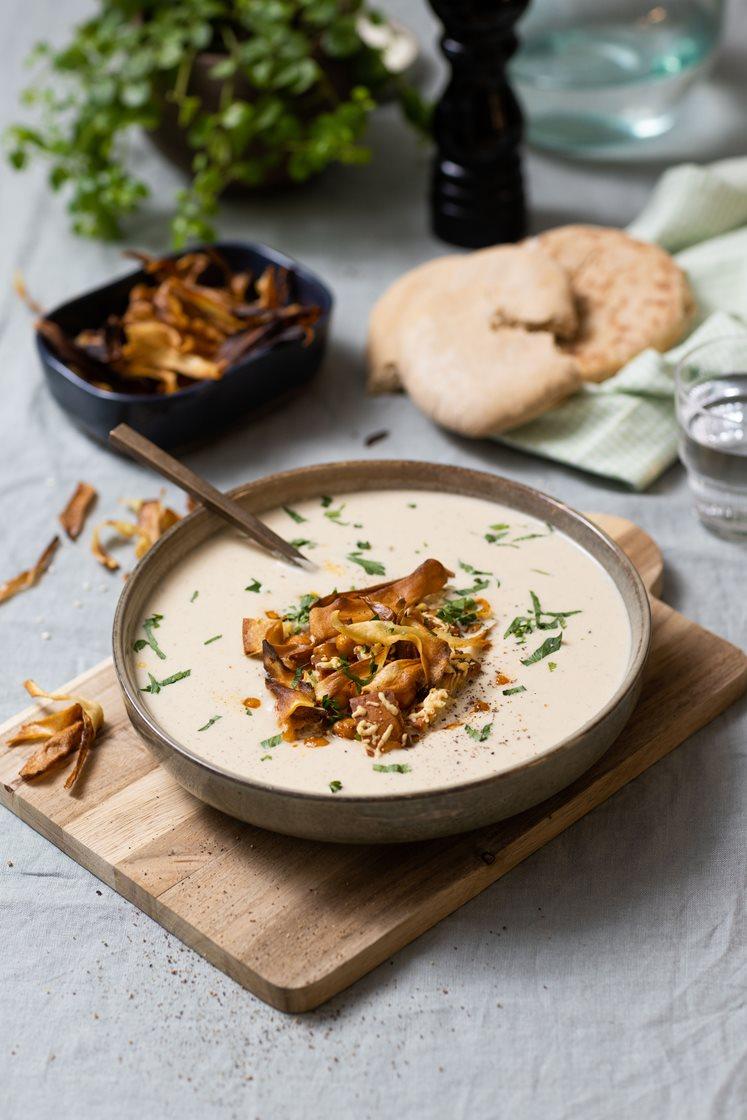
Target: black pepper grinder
[(477, 191)]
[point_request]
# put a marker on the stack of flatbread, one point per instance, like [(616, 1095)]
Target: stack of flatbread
[(487, 341)]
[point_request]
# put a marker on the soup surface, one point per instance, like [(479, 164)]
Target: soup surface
[(509, 713)]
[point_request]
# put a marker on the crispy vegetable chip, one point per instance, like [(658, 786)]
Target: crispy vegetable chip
[(191, 319), (378, 664), (153, 519), (73, 516), (27, 579), (61, 733)]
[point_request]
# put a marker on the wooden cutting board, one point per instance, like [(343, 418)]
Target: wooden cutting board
[(295, 922)]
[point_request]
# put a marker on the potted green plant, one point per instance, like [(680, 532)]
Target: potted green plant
[(244, 94)]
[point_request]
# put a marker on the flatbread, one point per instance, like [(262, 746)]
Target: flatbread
[(477, 379), (513, 286), (630, 295)]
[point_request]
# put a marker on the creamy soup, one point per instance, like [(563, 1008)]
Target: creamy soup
[(509, 713)]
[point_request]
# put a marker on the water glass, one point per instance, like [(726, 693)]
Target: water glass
[(595, 73), (711, 396)]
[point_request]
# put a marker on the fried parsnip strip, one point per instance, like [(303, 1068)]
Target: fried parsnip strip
[(73, 516), (72, 729), (24, 580), (431, 576), (256, 630), (298, 713), (53, 751), (434, 652), (153, 519)]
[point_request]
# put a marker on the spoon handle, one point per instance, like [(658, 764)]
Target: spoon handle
[(138, 447)]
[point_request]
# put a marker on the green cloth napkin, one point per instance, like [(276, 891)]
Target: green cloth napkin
[(625, 428)]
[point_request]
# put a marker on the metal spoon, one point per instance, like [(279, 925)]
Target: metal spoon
[(138, 447)]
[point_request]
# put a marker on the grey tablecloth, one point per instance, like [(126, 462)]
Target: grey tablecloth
[(602, 978)]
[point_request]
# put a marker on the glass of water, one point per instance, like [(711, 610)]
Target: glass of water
[(711, 393), (597, 73)]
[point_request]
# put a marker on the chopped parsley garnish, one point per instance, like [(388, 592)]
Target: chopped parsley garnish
[(481, 735), (332, 708), (210, 722), (273, 741), (537, 619), (550, 645), (155, 686), (326, 500), (194, 596), (459, 612), (301, 542), (479, 585), (299, 615), (392, 768), (552, 666), (359, 682), (294, 515), (215, 638), (364, 546), (498, 533), (472, 570), (370, 567), (335, 786), (266, 758), (296, 680), (513, 691), (412, 505), (255, 585), (149, 626), (336, 514)]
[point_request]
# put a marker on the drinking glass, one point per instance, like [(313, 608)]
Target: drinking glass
[(595, 73), (711, 397)]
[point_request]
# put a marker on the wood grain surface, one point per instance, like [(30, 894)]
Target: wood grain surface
[(293, 921)]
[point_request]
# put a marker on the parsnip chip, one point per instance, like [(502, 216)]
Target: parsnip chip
[(73, 516), (378, 664), (153, 519), (24, 580), (62, 733)]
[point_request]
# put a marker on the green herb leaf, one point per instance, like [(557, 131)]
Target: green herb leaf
[(392, 768), (335, 515), (552, 666), (152, 623), (481, 735), (459, 612), (266, 758), (364, 546), (273, 741), (299, 615), (332, 708), (550, 645), (301, 542), (371, 567), (296, 679), (326, 500), (335, 786), (210, 722), (412, 505), (214, 638), (255, 585), (513, 691), (194, 596), (294, 515), (155, 686)]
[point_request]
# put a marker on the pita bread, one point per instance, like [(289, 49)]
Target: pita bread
[(630, 295), (474, 378), (513, 286)]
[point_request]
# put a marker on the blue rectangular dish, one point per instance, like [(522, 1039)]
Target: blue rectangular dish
[(199, 411)]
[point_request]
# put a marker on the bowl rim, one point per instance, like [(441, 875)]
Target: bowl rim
[(272, 255), (555, 506)]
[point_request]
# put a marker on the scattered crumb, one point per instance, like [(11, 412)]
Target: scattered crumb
[(376, 437)]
